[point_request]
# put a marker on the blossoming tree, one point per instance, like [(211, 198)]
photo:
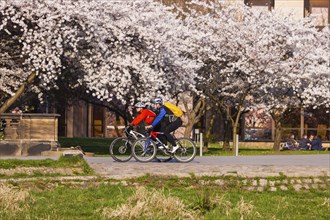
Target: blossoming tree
[(300, 78), (125, 50), (260, 58)]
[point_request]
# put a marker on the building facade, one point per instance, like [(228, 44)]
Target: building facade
[(318, 9)]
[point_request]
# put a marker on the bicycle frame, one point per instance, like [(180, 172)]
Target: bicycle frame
[(145, 149), (134, 134), (120, 146), (154, 135)]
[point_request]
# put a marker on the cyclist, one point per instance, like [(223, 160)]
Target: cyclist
[(145, 115), (165, 122)]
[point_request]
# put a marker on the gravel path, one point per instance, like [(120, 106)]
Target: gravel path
[(303, 172), (245, 166)]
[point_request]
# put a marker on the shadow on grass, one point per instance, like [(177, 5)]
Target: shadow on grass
[(99, 146)]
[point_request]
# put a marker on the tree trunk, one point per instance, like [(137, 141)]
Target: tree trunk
[(277, 137), (117, 122), (278, 115), (208, 134), (226, 133), (18, 93), (193, 115), (188, 129), (235, 126), (234, 138)]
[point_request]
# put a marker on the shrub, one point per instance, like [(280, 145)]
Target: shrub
[(12, 201), (151, 204)]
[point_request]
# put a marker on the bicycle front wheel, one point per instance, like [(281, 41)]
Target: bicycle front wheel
[(121, 149), (144, 150), (186, 151)]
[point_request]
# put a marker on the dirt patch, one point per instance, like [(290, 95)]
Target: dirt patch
[(40, 170)]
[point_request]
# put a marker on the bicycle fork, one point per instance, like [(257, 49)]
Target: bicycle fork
[(145, 149)]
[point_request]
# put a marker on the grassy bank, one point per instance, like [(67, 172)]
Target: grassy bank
[(99, 146), (64, 166), (157, 197), (151, 197)]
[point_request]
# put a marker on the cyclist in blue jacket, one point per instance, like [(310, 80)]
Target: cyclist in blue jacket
[(165, 122)]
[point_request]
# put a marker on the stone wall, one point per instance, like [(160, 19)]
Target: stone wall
[(29, 134)]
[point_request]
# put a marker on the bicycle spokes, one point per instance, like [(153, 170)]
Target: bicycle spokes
[(121, 149), (187, 150), (144, 150)]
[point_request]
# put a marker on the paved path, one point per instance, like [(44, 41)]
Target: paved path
[(245, 166)]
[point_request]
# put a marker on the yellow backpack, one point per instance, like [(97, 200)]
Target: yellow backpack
[(173, 108)]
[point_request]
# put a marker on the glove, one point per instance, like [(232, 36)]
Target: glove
[(128, 128), (148, 131)]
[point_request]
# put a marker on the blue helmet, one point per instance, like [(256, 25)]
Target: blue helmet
[(158, 100)]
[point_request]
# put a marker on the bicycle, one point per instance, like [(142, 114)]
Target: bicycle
[(121, 148), (289, 145), (145, 149)]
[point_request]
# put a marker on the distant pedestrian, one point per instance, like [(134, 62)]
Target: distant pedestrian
[(304, 143), (309, 142), (317, 143), (292, 143)]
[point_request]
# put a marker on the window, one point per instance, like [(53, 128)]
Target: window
[(317, 122), (258, 126), (320, 9), (291, 124), (98, 120), (266, 4)]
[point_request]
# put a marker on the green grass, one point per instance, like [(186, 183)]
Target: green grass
[(272, 205), (63, 162), (99, 146), (201, 197), (249, 152), (204, 201), (78, 203)]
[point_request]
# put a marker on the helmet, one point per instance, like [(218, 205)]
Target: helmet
[(140, 105), (158, 100)]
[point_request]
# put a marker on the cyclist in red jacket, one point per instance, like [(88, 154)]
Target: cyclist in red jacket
[(145, 115)]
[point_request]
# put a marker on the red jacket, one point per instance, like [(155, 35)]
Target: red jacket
[(145, 114)]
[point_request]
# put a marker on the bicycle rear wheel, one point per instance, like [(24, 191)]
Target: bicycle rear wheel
[(144, 150), (186, 151), (121, 149)]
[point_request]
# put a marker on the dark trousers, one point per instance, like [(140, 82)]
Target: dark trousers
[(167, 129)]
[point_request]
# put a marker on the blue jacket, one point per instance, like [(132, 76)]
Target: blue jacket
[(317, 144), (160, 116), (304, 143)]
